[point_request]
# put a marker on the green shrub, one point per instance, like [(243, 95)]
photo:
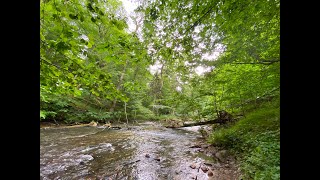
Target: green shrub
[(255, 139), (45, 114)]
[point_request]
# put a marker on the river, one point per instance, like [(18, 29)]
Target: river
[(145, 151)]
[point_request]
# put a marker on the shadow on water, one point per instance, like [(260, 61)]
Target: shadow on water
[(146, 151)]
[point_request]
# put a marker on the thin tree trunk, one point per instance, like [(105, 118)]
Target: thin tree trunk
[(215, 104), (125, 112), (114, 102), (161, 78), (222, 96), (89, 98), (241, 103)]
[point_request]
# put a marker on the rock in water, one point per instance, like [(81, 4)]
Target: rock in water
[(107, 125), (195, 146), (210, 173), (193, 165), (105, 146), (92, 123), (83, 158), (204, 169), (208, 164)]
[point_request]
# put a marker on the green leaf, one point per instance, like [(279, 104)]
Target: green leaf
[(81, 18), (89, 45), (93, 19), (42, 115)]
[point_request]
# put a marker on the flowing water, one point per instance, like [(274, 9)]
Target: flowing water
[(145, 151)]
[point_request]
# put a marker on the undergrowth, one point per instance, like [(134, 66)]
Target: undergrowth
[(255, 141)]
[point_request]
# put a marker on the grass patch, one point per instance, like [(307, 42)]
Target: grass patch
[(255, 140)]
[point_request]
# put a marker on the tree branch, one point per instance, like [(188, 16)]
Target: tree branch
[(267, 62)]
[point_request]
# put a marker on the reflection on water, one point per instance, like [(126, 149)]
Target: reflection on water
[(146, 151)]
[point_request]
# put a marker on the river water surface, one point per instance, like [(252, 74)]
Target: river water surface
[(146, 151)]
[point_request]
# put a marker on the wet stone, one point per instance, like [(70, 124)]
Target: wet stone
[(200, 150), (208, 164), (193, 165), (204, 169)]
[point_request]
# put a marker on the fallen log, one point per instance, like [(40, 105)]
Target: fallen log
[(223, 118), (215, 121)]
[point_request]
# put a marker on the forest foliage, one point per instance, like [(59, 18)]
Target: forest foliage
[(93, 68), (91, 64)]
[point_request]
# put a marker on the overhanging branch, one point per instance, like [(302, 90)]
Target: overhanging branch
[(260, 62)]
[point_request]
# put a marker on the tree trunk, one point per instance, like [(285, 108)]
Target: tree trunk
[(125, 112), (161, 77), (215, 121), (114, 102), (242, 109)]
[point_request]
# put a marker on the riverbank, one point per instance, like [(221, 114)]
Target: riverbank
[(221, 164), (255, 141)]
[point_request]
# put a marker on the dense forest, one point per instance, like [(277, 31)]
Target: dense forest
[(183, 60)]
